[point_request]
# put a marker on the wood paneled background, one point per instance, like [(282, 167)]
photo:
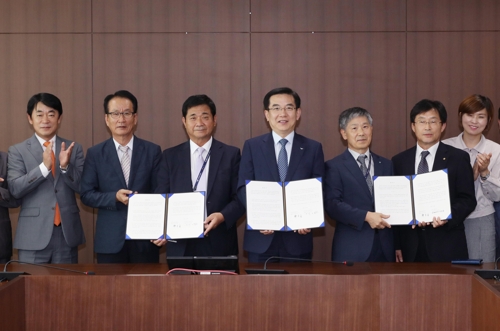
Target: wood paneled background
[(383, 55)]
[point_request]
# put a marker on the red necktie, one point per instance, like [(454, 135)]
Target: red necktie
[(57, 214)]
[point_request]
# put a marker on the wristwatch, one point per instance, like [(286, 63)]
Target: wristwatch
[(64, 169)]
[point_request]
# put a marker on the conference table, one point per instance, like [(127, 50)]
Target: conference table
[(313, 296)]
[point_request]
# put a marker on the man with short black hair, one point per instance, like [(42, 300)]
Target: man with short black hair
[(44, 172), (281, 155), (114, 169), (204, 164), (441, 240)]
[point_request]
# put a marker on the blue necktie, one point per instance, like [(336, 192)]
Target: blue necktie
[(423, 167), (283, 160)]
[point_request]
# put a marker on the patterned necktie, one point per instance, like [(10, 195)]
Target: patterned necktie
[(57, 212), (202, 183), (364, 171), (125, 162), (423, 167), (283, 160)]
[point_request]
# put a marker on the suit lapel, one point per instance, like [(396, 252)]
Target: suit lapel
[(137, 152), (35, 148), (270, 156), (215, 158), (298, 150), (353, 167), (58, 150), (409, 161), (440, 161), (183, 170), (111, 158)]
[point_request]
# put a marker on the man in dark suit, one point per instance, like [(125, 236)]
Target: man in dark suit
[(44, 172), (302, 157), (361, 235), (113, 169), (6, 202), (181, 172), (441, 240)]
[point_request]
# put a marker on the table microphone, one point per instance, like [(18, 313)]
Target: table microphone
[(46, 266), (489, 274), (281, 271)]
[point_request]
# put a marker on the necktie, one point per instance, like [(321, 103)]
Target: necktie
[(57, 212), (283, 160), (125, 162), (423, 167), (364, 171), (202, 183)]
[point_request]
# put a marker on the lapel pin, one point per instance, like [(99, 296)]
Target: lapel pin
[(444, 158), (301, 148)]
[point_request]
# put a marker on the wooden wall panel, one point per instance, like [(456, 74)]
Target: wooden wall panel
[(453, 15), (55, 63), (162, 70), (450, 66), (47, 16), (338, 71), (425, 302), (91, 301), (171, 16), (336, 15)]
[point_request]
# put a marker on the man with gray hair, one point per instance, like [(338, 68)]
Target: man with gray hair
[(361, 235)]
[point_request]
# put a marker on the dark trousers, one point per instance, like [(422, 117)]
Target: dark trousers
[(133, 251)]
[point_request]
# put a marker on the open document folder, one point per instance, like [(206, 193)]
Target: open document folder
[(285, 206), (185, 216), (413, 199)]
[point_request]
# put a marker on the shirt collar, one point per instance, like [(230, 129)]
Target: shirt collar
[(356, 154), (277, 137), (478, 147), (432, 150), (130, 144), (193, 147), (42, 141)]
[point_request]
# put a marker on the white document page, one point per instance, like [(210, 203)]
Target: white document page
[(432, 196), (304, 204), (185, 215), (393, 197), (146, 216), (265, 206)]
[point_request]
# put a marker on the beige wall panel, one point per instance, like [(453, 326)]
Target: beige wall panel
[(332, 72), (55, 63), (450, 66), (45, 16), (336, 15), (453, 15), (171, 15)]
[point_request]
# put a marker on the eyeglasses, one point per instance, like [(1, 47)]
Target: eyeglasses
[(432, 123), (116, 115), (287, 108)]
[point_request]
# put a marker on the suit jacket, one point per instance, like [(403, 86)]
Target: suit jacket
[(175, 177), (447, 242), (258, 162), (103, 177), (39, 194), (347, 200), (6, 201)]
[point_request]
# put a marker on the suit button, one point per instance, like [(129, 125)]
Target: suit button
[(55, 191)]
